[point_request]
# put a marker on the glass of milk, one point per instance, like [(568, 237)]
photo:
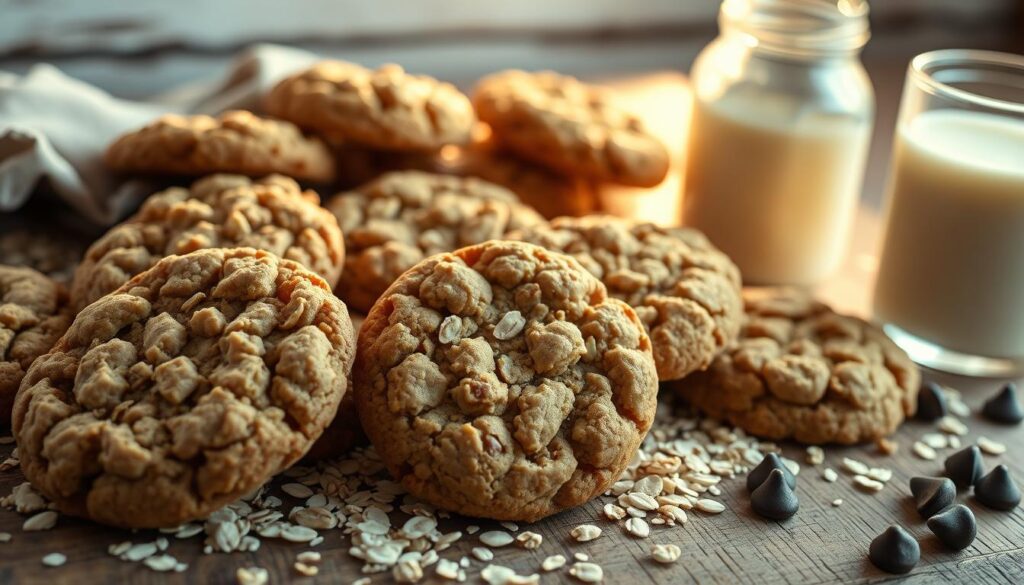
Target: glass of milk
[(779, 133), (950, 286)]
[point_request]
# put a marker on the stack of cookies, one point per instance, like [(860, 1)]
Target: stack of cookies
[(508, 366)]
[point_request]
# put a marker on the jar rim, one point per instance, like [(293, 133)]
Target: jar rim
[(800, 27), (924, 66)]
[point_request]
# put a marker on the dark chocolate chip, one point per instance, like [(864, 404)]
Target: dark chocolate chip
[(964, 467), (1004, 406), (894, 551), (956, 527), (774, 499), (931, 402), (997, 490), (932, 494), (760, 473)]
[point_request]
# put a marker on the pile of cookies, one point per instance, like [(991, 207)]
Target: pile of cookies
[(506, 366)]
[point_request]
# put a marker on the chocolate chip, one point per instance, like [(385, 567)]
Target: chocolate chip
[(956, 527), (932, 494), (894, 551), (997, 490), (931, 402), (1004, 407), (760, 473), (964, 467), (774, 498)]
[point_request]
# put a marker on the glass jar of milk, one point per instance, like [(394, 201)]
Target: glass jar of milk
[(781, 121)]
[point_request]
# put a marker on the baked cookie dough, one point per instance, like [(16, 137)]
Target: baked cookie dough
[(233, 142), (686, 292), (185, 389), (400, 218), (801, 371), (563, 124), (501, 381), (385, 108), (33, 315), (219, 211)]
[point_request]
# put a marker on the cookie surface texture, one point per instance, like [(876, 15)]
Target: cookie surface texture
[(501, 381), (187, 388), (219, 211), (803, 371), (232, 142)]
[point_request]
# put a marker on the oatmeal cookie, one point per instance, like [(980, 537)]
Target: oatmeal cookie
[(501, 381), (188, 387), (685, 291), (397, 220), (386, 108), (801, 371), (233, 142), (33, 315), (219, 211), (568, 126)]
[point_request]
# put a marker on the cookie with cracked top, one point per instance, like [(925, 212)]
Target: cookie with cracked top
[(400, 218), (565, 125), (190, 386), (233, 142), (385, 108), (684, 289), (34, 313), (218, 211), (502, 381), (800, 370)]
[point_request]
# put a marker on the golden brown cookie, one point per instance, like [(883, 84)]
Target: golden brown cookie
[(563, 124), (400, 218), (385, 108), (501, 381), (190, 386), (684, 289), (219, 211), (802, 371), (33, 315), (233, 142)]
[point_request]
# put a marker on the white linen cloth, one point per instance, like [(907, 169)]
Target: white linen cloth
[(55, 127)]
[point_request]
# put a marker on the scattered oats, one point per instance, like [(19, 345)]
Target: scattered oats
[(297, 490), (496, 538), (829, 474), (510, 325), (188, 531), (446, 540), (952, 425), (709, 506), (641, 501), (447, 569), (553, 562), (407, 572), (483, 554), (991, 447), (139, 552), (954, 442), (253, 576), (793, 466), (363, 581), (957, 406), (41, 521), (384, 554), (161, 563), (935, 440), (837, 502), (815, 455), (308, 557), (587, 572), (316, 501), (854, 467), (714, 490), (499, 575), (923, 451), (585, 532), (472, 529), (613, 512), (638, 527), (622, 486), (510, 526), (651, 486), (530, 540), (25, 499), (880, 474), (54, 559), (119, 549), (887, 446), (581, 556), (866, 483), (298, 534), (5, 537), (418, 526), (674, 513), (666, 553), (315, 542)]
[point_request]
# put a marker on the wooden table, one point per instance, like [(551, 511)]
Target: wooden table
[(821, 544)]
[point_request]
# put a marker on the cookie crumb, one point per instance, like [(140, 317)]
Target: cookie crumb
[(887, 446)]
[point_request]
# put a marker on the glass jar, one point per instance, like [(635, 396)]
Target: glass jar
[(779, 133)]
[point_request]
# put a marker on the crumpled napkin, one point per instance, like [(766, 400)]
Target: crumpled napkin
[(55, 127)]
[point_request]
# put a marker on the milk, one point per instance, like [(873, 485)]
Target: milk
[(774, 187), (952, 267)]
